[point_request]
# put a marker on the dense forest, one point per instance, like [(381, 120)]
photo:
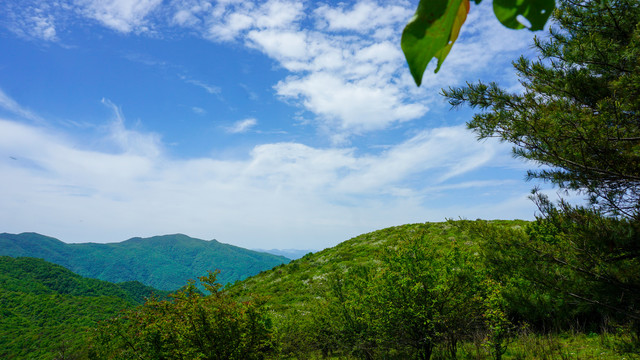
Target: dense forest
[(47, 310), (163, 262)]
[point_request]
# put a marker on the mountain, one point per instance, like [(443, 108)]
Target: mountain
[(163, 262), (46, 310)]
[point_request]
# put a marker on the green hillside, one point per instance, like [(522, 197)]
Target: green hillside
[(163, 262), (46, 310), (433, 290), (291, 286)]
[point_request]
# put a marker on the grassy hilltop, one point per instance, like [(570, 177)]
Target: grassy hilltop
[(291, 286)]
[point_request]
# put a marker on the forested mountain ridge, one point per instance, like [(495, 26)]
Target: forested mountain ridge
[(163, 262), (46, 310)]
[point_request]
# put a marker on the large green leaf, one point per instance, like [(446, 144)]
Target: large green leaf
[(431, 33), (535, 11)]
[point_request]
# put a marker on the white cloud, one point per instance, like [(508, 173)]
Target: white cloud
[(242, 126), (43, 27), (280, 44), (231, 19), (289, 191), (278, 14), (32, 19), (234, 24), (188, 12), (363, 16), (355, 107), (441, 154), (121, 15)]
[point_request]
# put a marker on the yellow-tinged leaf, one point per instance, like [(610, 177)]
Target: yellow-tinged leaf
[(460, 18)]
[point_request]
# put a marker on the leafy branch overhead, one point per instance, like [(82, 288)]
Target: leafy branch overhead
[(436, 24)]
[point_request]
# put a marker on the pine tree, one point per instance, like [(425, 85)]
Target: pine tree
[(579, 113), (579, 117)]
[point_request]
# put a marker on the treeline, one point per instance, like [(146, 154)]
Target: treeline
[(189, 326)]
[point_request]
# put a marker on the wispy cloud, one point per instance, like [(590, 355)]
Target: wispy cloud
[(319, 194), (198, 110), (211, 89), (242, 126), (363, 16), (131, 141), (12, 106), (229, 20)]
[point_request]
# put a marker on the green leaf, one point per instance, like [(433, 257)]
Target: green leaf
[(431, 33), (535, 11)]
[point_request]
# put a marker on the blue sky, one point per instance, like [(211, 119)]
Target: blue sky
[(270, 124)]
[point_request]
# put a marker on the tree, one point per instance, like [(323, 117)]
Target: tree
[(578, 116), (190, 326), (436, 25), (428, 297), (579, 113), (417, 298)]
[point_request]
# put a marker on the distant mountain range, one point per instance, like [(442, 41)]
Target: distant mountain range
[(163, 262)]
